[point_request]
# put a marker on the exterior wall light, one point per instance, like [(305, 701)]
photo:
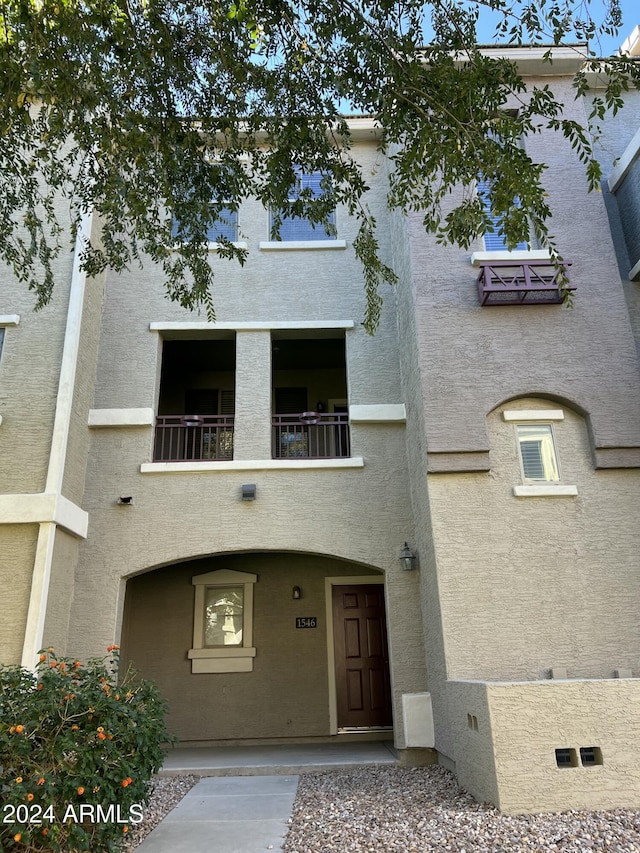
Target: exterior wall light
[(249, 492), (407, 558), (128, 501), (297, 593)]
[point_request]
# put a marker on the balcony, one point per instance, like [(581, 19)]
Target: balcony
[(534, 282), (206, 438), (312, 435)]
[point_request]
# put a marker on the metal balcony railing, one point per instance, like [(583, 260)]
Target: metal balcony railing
[(312, 435), (203, 438), (522, 282)]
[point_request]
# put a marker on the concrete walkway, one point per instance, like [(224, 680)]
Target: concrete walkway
[(243, 802)]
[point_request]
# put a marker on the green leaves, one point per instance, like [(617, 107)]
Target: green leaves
[(117, 106), (76, 736)]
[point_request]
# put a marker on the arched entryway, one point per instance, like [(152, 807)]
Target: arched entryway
[(274, 675)]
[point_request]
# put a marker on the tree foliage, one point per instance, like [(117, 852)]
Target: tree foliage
[(144, 111)]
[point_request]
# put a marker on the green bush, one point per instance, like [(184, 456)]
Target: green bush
[(78, 745)]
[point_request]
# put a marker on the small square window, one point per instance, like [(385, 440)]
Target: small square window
[(537, 453), (299, 228)]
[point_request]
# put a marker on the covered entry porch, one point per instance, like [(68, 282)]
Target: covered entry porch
[(263, 647)]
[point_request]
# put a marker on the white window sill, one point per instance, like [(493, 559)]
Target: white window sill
[(545, 490), (249, 465), (515, 256), (9, 319), (237, 659), (298, 245), (213, 247)]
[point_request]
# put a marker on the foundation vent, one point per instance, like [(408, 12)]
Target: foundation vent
[(566, 757), (590, 756)]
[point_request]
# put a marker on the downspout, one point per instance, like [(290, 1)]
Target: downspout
[(34, 630)]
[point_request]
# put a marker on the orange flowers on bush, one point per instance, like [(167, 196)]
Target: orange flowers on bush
[(29, 797), (127, 781), (41, 780), (101, 736), (81, 790), (19, 729)]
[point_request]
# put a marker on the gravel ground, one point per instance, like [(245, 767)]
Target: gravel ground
[(397, 810)]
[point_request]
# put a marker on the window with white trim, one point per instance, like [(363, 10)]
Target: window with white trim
[(494, 241), (300, 228), (223, 622), (225, 227), (538, 455)]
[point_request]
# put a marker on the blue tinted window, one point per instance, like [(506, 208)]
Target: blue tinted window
[(296, 228), (494, 241), (225, 226)]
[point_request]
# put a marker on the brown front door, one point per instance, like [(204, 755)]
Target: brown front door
[(362, 661)]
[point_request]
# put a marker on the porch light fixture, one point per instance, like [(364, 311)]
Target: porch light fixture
[(296, 593), (249, 492), (407, 558)]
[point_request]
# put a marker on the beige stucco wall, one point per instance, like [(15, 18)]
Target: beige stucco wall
[(17, 552), (29, 371), (286, 695), (361, 514), (529, 721), (531, 584), (61, 586)]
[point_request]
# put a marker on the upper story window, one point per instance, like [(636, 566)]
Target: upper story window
[(300, 228), (537, 453), (225, 227), (494, 240)]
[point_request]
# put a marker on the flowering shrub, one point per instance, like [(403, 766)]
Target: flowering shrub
[(78, 745)]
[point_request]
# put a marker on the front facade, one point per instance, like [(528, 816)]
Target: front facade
[(229, 500)]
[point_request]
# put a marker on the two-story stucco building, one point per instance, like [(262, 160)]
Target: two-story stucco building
[(230, 500)]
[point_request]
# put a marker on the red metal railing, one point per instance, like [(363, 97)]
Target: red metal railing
[(312, 435), (523, 282), (203, 438)]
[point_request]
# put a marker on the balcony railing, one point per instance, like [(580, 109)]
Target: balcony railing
[(205, 438), (522, 282), (312, 435)]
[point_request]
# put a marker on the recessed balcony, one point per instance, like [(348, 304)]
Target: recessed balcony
[(519, 282), (203, 438), (313, 435)]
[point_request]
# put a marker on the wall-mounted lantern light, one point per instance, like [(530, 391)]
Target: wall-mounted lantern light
[(297, 593), (249, 492), (407, 558)]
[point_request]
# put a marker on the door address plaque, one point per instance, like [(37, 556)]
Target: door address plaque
[(306, 621)]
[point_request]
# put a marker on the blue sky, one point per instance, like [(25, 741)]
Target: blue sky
[(608, 44)]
